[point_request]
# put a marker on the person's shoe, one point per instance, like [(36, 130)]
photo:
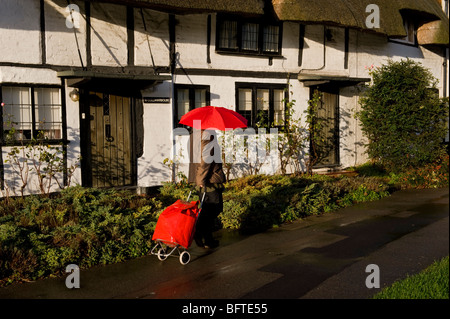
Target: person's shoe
[(212, 244), (199, 242)]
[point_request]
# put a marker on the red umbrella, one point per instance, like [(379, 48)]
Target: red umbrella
[(214, 117)]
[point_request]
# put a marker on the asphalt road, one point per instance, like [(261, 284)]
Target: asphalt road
[(320, 257)]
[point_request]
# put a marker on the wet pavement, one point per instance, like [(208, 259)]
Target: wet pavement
[(319, 257)]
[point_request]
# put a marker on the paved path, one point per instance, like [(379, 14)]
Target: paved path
[(318, 257)]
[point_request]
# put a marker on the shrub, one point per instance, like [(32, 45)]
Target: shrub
[(80, 225), (403, 117), (256, 203), (433, 175), (39, 235)]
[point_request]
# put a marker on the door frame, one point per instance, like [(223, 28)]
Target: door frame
[(330, 88), (85, 137)]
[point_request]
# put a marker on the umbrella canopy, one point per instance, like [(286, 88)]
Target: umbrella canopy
[(214, 117)]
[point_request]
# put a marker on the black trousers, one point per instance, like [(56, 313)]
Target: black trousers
[(211, 208)]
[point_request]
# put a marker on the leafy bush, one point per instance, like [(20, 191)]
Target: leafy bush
[(433, 175), (256, 203), (403, 117), (41, 235)]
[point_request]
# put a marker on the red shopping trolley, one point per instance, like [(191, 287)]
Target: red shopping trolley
[(175, 230)]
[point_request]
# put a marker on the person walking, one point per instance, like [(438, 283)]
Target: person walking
[(206, 172), (205, 169)]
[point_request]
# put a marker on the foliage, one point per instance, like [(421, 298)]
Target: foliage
[(292, 141), (431, 283), (259, 202), (403, 117), (433, 175), (319, 146), (39, 235), (173, 164), (36, 160)]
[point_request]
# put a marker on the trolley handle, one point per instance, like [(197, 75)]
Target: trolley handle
[(201, 202)]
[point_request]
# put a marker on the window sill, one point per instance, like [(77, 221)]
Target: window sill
[(403, 42), (35, 142), (251, 54)]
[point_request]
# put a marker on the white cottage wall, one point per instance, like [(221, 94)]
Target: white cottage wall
[(60, 42), (108, 34), (151, 38), (157, 138), (20, 36), (28, 75), (23, 62), (73, 136)]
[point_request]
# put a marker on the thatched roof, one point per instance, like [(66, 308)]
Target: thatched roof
[(251, 7), (435, 32), (352, 13), (433, 23)]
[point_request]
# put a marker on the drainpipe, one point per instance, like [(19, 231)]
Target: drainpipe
[(172, 58), (445, 63), (445, 73)]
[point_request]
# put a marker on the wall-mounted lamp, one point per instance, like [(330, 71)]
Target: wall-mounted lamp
[(74, 95)]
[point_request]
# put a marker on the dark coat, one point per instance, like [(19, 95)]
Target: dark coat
[(205, 173)]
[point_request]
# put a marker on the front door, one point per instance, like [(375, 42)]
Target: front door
[(110, 139), (327, 148)]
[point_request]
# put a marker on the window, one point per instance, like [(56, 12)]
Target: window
[(248, 37), (48, 112), (32, 111), (410, 29), (263, 105), (189, 97)]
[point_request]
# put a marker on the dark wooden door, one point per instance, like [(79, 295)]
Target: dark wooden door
[(328, 114), (110, 140)]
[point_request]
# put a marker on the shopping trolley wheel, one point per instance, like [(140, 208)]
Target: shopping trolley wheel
[(185, 257), (162, 254)]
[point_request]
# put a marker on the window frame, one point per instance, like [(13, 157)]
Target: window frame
[(254, 87), (34, 118), (408, 24), (262, 24), (192, 89)]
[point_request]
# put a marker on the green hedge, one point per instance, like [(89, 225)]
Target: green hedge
[(40, 236), (256, 203)]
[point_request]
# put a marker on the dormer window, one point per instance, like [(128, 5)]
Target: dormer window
[(410, 28), (236, 35)]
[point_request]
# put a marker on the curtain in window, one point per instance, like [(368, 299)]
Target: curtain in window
[(48, 112), (183, 102), (250, 33), (245, 99), (17, 111), (270, 38), (200, 98), (262, 106), (278, 107), (245, 104), (228, 35)]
